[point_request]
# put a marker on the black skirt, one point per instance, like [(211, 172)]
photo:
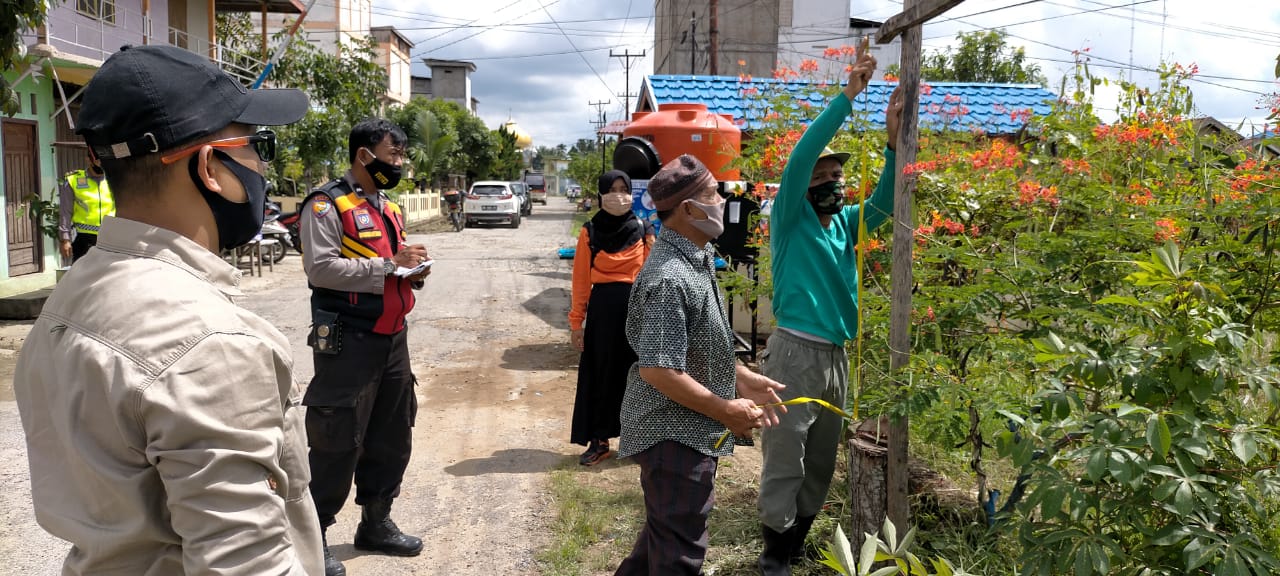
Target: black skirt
[(602, 370)]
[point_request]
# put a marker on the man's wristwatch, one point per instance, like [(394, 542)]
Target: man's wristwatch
[(388, 267)]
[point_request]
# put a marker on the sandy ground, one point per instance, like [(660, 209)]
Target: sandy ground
[(490, 348)]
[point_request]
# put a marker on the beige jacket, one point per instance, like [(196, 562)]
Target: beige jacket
[(163, 425)]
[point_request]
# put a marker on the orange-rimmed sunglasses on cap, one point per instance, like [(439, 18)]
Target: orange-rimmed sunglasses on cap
[(263, 142)]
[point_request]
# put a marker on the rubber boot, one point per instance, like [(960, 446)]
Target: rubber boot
[(775, 560), (800, 530), (378, 533), (332, 567)]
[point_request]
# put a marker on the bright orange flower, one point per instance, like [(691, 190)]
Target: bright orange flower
[(1166, 229)]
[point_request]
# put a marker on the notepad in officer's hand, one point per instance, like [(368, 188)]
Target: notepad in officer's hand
[(403, 272)]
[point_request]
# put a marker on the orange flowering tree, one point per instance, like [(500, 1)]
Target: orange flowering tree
[(1099, 300)]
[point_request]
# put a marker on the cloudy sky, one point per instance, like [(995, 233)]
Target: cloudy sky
[(541, 62)]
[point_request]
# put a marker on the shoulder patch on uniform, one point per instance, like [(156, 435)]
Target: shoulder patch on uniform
[(321, 207)]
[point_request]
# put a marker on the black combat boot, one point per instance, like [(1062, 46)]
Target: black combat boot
[(800, 531), (332, 567), (378, 533), (776, 558)]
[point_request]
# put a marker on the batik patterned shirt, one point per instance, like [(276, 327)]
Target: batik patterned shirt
[(676, 320)]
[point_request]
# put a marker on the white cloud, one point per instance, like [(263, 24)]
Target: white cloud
[(548, 95)]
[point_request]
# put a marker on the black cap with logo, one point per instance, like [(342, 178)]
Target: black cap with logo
[(148, 99)]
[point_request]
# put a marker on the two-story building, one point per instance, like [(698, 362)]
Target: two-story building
[(756, 37), (39, 143), (393, 56)]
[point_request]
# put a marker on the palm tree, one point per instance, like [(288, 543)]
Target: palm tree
[(431, 144)]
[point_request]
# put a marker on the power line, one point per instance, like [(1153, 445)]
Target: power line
[(1196, 78), (482, 31), (1257, 36), (981, 28), (570, 40), (621, 34), (985, 12), (538, 55), (1230, 27), (468, 23)]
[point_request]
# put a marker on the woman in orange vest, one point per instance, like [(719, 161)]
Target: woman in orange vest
[(612, 248)]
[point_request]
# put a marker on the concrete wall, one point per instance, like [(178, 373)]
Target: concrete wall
[(811, 26), (748, 30), (395, 60), (451, 83), (44, 104)]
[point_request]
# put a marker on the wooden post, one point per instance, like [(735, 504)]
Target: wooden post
[(908, 22), (146, 22), (903, 244), (213, 30), (267, 55)]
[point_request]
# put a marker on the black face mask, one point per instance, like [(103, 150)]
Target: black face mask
[(95, 170), (238, 222), (827, 198), (384, 175)]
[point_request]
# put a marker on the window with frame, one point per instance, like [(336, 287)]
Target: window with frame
[(103, 10)]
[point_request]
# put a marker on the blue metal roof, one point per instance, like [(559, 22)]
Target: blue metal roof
[(993, 108)]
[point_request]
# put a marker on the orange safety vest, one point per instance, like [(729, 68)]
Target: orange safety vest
[(366, 233)]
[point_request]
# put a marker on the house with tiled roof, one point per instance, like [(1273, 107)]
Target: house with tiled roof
[(994, 109)]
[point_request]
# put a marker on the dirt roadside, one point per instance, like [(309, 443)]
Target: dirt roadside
[(489, 345)]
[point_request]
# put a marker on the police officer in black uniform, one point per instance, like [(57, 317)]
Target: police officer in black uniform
[(361, 404)]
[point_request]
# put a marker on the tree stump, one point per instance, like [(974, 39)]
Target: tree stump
[(869, 492), (868, 468)]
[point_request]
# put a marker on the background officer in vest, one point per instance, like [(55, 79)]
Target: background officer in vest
[(361, 404), (83, 200)]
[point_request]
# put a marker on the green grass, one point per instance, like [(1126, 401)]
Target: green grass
[(599, 511), (580, 218)]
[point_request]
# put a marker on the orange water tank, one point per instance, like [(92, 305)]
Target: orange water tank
[(655, 138)]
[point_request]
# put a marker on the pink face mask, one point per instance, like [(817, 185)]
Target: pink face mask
[(616, 203), (713, 226)]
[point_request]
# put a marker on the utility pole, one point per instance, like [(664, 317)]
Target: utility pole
[(626, 68), (715, 38), (599, 124), (693, 40)]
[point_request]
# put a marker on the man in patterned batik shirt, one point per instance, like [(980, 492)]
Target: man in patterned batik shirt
[(686, 390)]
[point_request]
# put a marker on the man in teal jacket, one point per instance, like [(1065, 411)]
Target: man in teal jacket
[(814, 238)]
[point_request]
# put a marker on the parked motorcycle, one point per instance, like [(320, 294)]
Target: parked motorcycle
[(292, 221), (272, 229), (453, 200)]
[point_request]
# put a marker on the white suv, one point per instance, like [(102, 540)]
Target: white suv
[(491, 201)]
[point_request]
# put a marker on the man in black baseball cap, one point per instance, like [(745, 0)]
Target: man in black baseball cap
[(162, 421)]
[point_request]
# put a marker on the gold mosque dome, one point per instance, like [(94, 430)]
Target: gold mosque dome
[(523, 139)]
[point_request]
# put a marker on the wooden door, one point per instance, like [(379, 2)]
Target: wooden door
[(21, 181)]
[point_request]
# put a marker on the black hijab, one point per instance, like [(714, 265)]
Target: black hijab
[(611, 233)]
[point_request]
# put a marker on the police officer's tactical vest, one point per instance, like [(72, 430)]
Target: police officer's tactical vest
[(93, 202), (366, 233)]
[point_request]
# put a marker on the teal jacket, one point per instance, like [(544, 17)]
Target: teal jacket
[(815, 278)]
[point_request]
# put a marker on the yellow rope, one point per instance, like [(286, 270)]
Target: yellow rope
[(791, 402)]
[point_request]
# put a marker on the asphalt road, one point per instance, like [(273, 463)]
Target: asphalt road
[(489, 344)]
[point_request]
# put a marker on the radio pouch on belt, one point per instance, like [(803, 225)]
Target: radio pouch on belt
[(326, 333)]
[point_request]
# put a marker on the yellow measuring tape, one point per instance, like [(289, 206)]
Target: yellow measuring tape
[(791, 402)]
